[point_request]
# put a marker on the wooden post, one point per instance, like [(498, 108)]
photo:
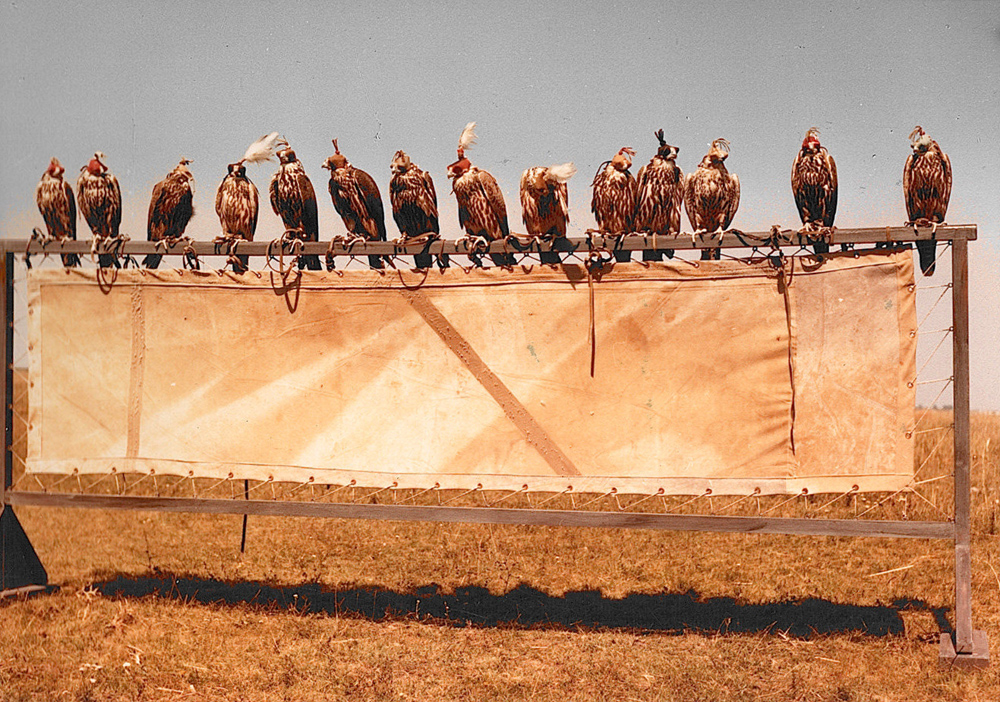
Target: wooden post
[(7, 347), (20, 570), (963, 492)]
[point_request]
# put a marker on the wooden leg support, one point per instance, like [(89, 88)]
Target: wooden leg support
[(20, 570), (978, 657)]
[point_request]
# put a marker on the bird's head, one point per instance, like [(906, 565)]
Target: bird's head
[(665, 150), (400, 163), (55, 168), (623, 159), (458, 168), (337, 161), (920, 140), (182, 167), (286, 155), (719, 150), (96, 166), (237, 169), (811, 143)]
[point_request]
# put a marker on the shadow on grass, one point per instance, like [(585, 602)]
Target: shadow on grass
[(525, 606)]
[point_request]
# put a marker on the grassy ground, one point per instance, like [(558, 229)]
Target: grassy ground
[(157, 606)]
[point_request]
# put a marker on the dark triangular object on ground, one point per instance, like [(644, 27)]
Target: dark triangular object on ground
[(19, 564)]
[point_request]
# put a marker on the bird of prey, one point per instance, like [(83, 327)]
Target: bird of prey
[(100, 199), (357, 200), (927, 187), (170, 208), (660, 186), (545, 204), (614, 197), (54, 197), (814, 184), (237, 201), (414, 203), (294, 200), (482, 212), (712, 195)]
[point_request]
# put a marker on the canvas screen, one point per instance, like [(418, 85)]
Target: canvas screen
[(729, 375)]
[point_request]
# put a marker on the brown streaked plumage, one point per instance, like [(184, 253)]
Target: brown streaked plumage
[(482, 211), (357, 199), (545, 203), (814, 185), (613, 200), (100, 199), (294, 200), (414, 203), (54, 197), (927, 187), (712, 194), (170, 208), (237, 203), (660, 196)]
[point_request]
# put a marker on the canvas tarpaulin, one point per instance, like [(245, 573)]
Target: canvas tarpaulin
[(729, 376)]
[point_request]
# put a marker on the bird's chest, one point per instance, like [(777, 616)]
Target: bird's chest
[(287, 185), (50, 190), (928, 171), (467, 189), (405, 187), (617, 180), (709, 184), (343, 181)]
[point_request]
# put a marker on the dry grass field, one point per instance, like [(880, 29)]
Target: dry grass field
[(154, 606)]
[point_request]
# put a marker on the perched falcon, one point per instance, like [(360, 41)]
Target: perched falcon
[(414, 203), (482, 212), (927, 187), (100, 199), (237, 201), (170, 208), (712, 195), (357, 200), (55, 200), (660, 186), (814, 184), (294, 200), (545, 204), (614, 197)]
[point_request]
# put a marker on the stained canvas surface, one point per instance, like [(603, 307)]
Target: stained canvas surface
[(725, 375)]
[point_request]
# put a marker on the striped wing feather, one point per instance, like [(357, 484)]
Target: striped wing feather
[(55, 201), (236, 204), (170, 208)]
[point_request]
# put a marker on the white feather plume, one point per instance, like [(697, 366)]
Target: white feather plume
[(561, 173), (468, 137), (262, 149)]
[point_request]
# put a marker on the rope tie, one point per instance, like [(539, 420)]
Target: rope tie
[(597, 260), (36, 235)]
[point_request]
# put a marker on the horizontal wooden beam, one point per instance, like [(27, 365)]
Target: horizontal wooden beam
[(493, 515), (634, 242)]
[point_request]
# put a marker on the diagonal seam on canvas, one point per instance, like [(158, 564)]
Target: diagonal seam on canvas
[(511, 406)]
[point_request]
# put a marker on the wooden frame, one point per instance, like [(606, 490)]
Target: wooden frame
[(969, 646)]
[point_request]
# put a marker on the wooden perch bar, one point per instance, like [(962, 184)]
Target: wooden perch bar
[(731, 239)]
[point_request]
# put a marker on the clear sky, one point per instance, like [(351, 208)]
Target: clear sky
[(147, 84)]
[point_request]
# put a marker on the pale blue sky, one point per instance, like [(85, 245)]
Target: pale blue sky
[(147, 84)]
